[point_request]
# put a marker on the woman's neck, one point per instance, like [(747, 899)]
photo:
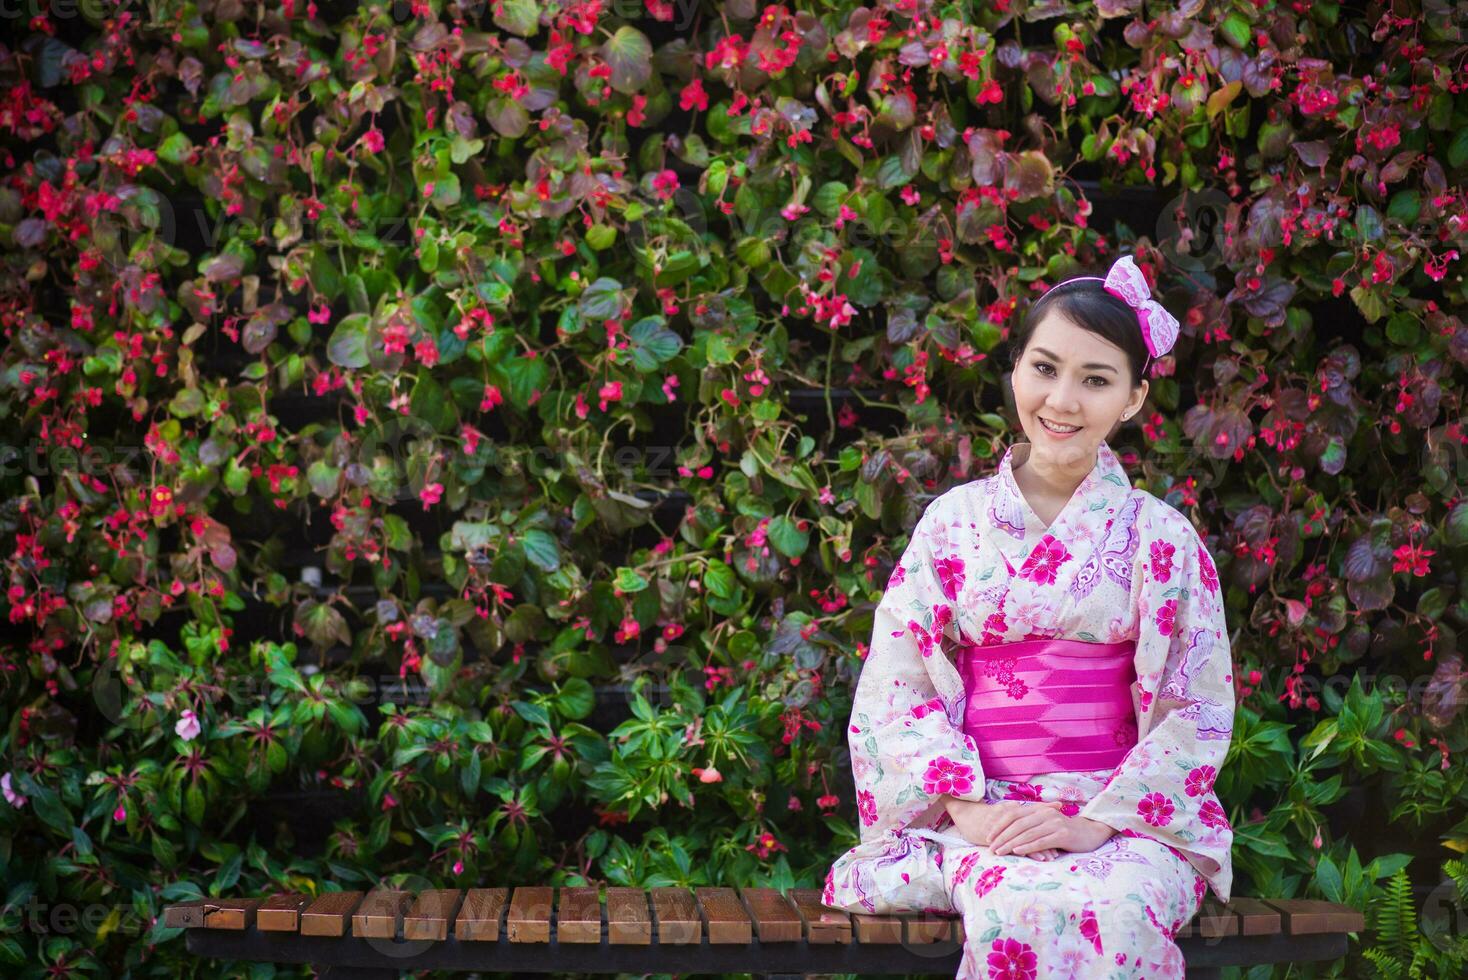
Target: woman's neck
[(1044, 478)]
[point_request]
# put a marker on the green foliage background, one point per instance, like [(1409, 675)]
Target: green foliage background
[(496, 423)]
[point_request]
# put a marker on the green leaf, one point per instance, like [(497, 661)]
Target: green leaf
[(787, 537), (653, 344), (629, 54), (348, 344), (1235, 30), (576, 699), (541, 549), (628, 580), (719, 579), (1405, 206), (602, 300), (176, 149)]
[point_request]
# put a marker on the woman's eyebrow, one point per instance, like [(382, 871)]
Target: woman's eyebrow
[(1084, 367)]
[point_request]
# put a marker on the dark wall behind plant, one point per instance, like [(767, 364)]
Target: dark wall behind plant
[(465, 444)]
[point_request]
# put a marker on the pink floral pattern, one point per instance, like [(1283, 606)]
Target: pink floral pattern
[(1045, 561), (1011, 959), (1117, 563), (1162, 552)]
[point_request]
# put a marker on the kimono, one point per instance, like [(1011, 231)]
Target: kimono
[(1117, 564)]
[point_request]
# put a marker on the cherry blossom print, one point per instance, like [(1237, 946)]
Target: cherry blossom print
[(1044, 562), (1091, 929), (1200, 780), (950, 575), (1212, 815), (1206, 571), (1156, 809), (988, 880), (1031, 792), (944, 775), (1162, 553), (866, 806), (1166, 617), (1010, 959)]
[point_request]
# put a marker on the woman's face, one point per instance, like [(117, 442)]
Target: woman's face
[(1077, 381)]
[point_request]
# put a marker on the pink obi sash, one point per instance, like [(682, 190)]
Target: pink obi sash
[(1039, 706)]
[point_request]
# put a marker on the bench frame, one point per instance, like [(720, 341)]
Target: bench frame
[(708, 929)]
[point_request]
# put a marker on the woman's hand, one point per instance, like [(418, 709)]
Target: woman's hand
[(979, 823), (1047, 828)]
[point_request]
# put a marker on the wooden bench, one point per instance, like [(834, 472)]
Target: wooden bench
[(544, 929)]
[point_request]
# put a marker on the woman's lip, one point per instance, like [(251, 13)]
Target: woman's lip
[(1053, 422)]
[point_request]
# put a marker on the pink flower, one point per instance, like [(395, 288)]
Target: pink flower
[(373, 141), (1091, 929), (866, 807), (1024, 791), (709, 775), (608, 393), (430, 494), (1045, 561), (1162, 553), (1166, 617), (120, 814), (459, 867), (950, 575), (188, 726), (1200, 780), (1206, 571), (1156, 809), (947, 776), (1010, 959), (988, 880), (12, 796), (1212, 815), (693, 96)]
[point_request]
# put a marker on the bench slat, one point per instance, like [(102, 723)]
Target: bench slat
[(822, 924), (628, 920), (186, 915), (281, 912), (327, 915), (724, 913), (480, 914), (378, 915), (877, 928), (676, 911), (775, 919), (1303, 916), (1255, 918), (429, 916), (921, 928), (578, 915), (230, 913), (529, 920)]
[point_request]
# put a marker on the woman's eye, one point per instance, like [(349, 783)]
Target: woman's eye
[(1045, 368)]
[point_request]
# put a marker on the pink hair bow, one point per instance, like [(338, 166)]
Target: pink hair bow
[(1126, 281)]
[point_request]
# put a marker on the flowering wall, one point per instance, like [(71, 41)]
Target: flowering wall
[(464, 444)]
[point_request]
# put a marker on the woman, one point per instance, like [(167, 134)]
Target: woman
[(1049, 692)]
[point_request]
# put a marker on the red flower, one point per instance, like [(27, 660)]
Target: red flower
[(946, 776)]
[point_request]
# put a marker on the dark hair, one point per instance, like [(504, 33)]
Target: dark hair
[(1087, 304)]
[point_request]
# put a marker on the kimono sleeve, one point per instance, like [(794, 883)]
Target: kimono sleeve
[(906, 751), (1163, 788)]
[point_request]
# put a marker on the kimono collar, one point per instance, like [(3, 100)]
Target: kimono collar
[(1015, 526)]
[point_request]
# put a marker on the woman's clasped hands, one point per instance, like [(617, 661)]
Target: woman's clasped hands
[(1035, 829)]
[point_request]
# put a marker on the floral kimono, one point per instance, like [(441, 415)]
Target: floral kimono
[(981, 571)]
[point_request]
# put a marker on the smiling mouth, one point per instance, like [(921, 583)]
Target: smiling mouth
[(1057, 428)]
